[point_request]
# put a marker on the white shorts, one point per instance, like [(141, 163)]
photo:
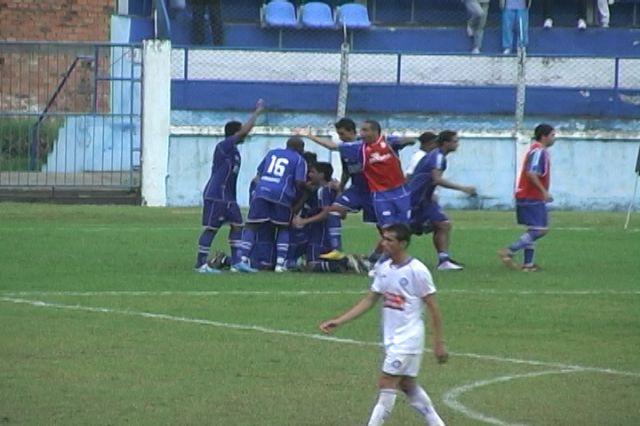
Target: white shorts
[(402, 364)]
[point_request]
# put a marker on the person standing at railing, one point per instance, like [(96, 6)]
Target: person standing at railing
[(478, 11), (581, 11), (214, 10), (515, 16)]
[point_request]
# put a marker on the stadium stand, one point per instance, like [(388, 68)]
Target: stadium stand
[(316, 15), (353, 15)]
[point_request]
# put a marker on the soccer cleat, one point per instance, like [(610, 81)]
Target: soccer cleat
[(582, 24), (219, 260), (548, 23), (507, 258), (506, 52), (448, 265), (530, 268), (475, 51), (333, 255), (280, 269), (243, 267), (353, 264), (206, 269)]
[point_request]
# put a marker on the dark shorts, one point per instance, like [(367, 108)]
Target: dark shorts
[(393, 206), (423, 217), (262, 210), (532, 213), (215, 213), (355, 200)]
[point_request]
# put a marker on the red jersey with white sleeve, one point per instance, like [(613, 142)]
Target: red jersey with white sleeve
[(381, 165), (537, 161)]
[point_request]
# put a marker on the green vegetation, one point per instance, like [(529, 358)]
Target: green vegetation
[(104, 322), (15, 141)]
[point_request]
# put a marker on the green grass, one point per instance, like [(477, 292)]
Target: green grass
[(80, 345)]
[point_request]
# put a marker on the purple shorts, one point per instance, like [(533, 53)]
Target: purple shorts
[(392, 206), (424, 216), (532, 213), (262, 210), (215, 213), (355, 200)]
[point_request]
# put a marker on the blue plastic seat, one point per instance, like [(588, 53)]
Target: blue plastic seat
[(353, 15), (317, 15), (279, 13)]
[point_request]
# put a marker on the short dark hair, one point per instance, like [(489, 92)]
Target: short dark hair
[(374, 125), (310, 157), (325, 168), (427, 137), (542, 130), (347, 124), (231, 128), (296, 143), (402, 231), (446, 136)]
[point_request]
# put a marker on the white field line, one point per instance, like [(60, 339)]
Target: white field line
[(166, 317), (315, 293), (451, 397)]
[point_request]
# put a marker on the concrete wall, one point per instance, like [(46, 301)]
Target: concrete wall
[(591, 170)]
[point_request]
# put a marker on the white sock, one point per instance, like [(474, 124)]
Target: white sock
[(419, 400), (383, 408)]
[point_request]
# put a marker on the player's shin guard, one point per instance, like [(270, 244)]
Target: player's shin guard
[(235, 243), (529, 253), (282, 246), (383, 408), (245, 247), (204, 245)]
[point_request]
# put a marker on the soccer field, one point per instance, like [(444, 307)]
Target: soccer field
[(104, 322)]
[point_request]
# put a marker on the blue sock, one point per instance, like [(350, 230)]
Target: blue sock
[(204, 245), (244, 249), (282, 245), (235, 242), (529, 252), (443, 256), (335, 232)]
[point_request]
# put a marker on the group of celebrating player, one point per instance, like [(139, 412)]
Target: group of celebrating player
[(296, 206)]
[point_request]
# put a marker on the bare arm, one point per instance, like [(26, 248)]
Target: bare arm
[(439, 349), (535, 180), (327, 143), (358, 309), (246, 127), (299, 221), (437, 178)]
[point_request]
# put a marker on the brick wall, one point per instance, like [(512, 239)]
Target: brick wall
[(55, 20), (29, 74)]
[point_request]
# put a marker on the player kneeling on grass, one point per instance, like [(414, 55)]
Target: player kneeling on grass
[(406, 286), (321, 227)]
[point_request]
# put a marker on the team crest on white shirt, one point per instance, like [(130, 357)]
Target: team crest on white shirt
[(404, 282)]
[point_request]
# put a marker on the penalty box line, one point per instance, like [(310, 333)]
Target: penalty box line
[(266, 330)]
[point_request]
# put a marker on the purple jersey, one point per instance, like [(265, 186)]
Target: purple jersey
[(421, 184), (319, 232), (224, 171), (278, 173), (351, 156)]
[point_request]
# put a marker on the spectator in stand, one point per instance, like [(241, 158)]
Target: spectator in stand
[(603, 13), (478, 11), (199, 7), (515, 16)]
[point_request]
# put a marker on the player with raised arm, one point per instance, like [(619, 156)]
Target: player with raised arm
[(532, 196), (281, 177), (406, 287), (427, 176), (220, 204)]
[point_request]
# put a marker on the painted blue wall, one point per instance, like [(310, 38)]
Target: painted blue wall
[(587, 174)]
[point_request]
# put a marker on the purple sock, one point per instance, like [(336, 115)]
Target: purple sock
[(204, 245)]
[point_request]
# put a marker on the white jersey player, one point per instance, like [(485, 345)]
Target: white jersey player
[(406, 286)]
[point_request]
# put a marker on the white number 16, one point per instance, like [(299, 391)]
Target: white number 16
[(277, 166)]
